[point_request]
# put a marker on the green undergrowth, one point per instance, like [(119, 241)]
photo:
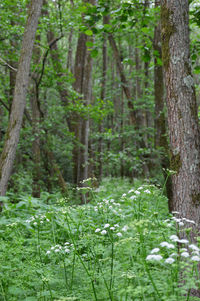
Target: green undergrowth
[(122, 245)]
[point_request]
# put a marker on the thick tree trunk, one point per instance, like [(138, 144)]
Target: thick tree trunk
[(182, 109), (19, 100)]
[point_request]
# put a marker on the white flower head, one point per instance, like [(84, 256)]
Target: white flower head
[(103, 232), (183, 241), (123, 195), (147, 191), (167, 245), (174, 237), (133, 197), (169, 260), (107, 225), (112, 228), (194, 247), (195, 258), (67, 250), (155, 250), (137, 192), (154, 257), (119, 234), (97, 230), (57, 250), (125, 228), (185, 254), (48, 252)]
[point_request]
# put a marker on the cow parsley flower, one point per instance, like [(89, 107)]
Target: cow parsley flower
[(119, 234), (167, 245), (155, 250), (154, 257), (107, 225), (97, 230), (185, 254), (193, 247), (103, 232), (169, 260), (174, 237), (195, 258)]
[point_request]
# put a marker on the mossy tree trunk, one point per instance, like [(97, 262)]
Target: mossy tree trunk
[(19, 99), (161, 140), (182, 109)]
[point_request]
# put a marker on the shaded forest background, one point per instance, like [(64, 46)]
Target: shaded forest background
[(96, 100)]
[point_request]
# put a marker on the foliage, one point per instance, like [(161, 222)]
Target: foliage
[(51, 250)]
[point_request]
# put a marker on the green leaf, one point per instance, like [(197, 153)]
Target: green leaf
[(88, 32), (89, 44), (94, 53)]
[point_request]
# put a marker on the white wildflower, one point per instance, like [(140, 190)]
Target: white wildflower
[(181, 224), (133, 197), (125, 228), (167, 245), (155, 250), (193, 247), (131, 190), (48, 252), (137, 192), (67, 250), (112, 228), (174, 237), (57, 250), (107, 225), (195, 258), (183, 241), (154, 257), (97, 230), (116, 225), (169, 260), (123, 195), (119, 234), (35, 224), (185, 254), (103, 232), (147, 191)]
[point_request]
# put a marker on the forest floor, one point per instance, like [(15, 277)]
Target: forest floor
[(122, 245)]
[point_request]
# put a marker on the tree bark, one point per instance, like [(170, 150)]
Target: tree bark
[(19, 99), (160, 139), (182, 109)]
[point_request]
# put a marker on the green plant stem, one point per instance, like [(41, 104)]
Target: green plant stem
[(82, 262), (65, 272), (73, 268), (112, 265), (38, 246), (106, 285), (3, 293)]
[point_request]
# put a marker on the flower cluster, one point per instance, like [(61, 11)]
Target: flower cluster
[(192, 251), (37, 220), (64, 249), (108, 205), (107, 228), (137, 192)]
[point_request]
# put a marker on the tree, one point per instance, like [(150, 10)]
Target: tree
[(182, 108), (19, 98)]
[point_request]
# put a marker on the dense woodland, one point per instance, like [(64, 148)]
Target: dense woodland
[(99, 109)]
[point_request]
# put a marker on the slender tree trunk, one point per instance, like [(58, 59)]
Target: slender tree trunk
[(103, 94), (160, 122), (19, 100), (182, 109)]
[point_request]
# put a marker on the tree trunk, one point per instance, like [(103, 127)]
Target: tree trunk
[(19, 99), (160, 122), (182, 108)]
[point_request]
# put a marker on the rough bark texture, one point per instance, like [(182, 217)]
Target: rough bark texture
[(182, 109), (160, 122), (19, 99)]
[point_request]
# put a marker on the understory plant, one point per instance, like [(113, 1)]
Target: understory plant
[(123, 245)]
